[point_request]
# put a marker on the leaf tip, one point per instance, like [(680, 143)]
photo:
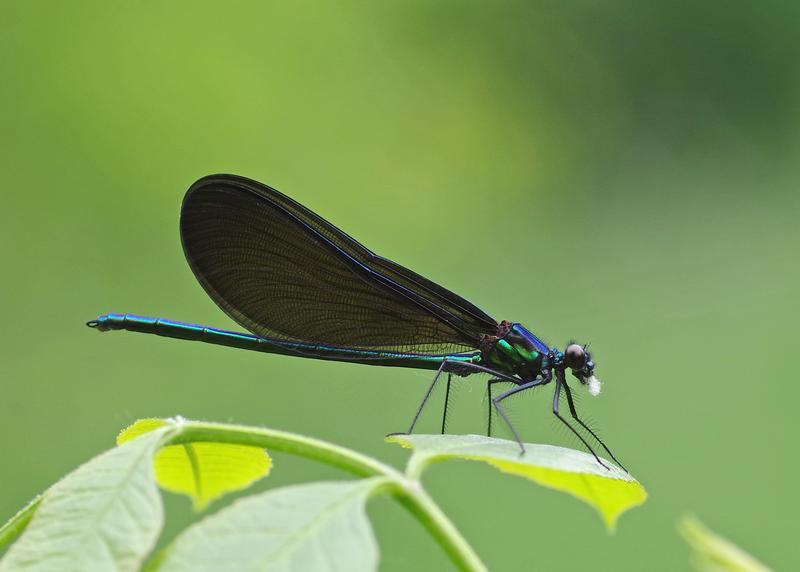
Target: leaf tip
[(139, 427)]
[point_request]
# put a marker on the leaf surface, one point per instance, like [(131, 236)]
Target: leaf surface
[(203, 471), (17, 523), (610, 492), (319, 526), (105, 515)]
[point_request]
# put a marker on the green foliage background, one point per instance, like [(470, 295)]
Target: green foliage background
[(620, 173)]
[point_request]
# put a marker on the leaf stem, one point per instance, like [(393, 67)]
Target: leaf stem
[(300, 445), (417, 501), (408, 492)]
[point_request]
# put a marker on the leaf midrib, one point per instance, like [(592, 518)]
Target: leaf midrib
[(103, 514)]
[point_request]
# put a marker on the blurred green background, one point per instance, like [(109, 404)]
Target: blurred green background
[(622, 173)]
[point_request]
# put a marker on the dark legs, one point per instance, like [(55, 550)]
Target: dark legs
[(490, 402), (556, 397), (427, 395), (574, 413), (509, 393), (466, 365), (466, 368), (446, 401)]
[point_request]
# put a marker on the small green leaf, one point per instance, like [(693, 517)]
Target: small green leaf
[(320, 526), (17, 523), (203, 471), (105, 515), (611, 492), (712, 553), (141, 427)]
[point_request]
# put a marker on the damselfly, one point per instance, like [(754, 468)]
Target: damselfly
[(303, 287)]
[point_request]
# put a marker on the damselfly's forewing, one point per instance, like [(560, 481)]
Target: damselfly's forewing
[(283, 272)]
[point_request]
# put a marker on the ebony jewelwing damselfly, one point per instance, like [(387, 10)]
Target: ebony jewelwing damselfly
[(303, 287)]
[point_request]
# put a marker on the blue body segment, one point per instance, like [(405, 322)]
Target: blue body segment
[(540, 346), (196, 332)]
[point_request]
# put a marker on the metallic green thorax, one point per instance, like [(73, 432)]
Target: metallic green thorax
[(514, 354)]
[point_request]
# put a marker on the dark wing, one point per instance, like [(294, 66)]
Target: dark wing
[(282, 271)]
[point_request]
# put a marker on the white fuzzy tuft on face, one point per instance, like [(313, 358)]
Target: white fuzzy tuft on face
[(594, 386)]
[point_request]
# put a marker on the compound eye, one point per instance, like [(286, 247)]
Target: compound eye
[(575, 357)]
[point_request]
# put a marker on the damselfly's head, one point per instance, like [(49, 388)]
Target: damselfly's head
[(580, 362)]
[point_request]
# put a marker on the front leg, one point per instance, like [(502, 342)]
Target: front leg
[(574, 413), (556, 399)]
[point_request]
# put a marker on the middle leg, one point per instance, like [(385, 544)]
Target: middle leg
[(509, 393), (490, 402)]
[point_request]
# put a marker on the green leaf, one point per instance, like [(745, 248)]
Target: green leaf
[(17, 523), (610, 492), (712, 553), (203, 471), (143, 426), (105, 515), (320, 526)]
